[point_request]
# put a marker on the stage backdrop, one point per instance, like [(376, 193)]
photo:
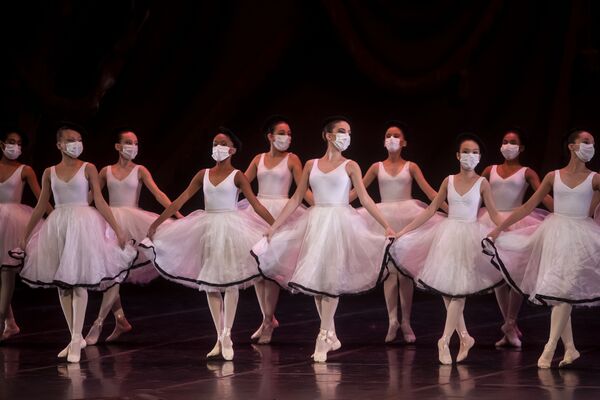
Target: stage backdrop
[(174, 71)]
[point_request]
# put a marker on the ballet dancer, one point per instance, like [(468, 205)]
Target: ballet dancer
[(331, 250), (210, 249), (274, 171), (445, 258), (509, 181), (124, 181), (557, 265), (395, 176), (13, 219), (77, 247)]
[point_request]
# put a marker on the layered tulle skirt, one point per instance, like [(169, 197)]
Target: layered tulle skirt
[(445, 258), (535, 218), (135, 223), (329, 250), (557, 262), (208, 251), (75, 247), (13, 221)]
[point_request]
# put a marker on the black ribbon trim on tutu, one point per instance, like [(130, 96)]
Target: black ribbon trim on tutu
[(264, 276), (458, 296), (490, 249), (399, 268), (382, 276), (179, 279), (64, 285)]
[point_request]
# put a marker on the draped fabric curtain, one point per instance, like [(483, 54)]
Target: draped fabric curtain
[(177, 70)]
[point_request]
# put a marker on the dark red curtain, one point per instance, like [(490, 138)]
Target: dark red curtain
[(177, 70)]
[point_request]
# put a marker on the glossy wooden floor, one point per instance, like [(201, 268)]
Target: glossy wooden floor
[(163, 358)]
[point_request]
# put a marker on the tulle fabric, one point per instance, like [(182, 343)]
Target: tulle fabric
[(557, 262), (75, 247), (330, 250), (13, 221), (445, 257), (534, 219), (208, 251), (135, 223)]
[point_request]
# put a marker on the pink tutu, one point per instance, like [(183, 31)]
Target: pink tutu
[(13, 221)]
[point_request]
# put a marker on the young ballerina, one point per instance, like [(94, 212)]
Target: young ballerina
[(13, 220), (274, 171), (77, 247), (332, 249), (395, 176), (124, 180), (210, 250), (559, 264), (509, 181), (445, 258)]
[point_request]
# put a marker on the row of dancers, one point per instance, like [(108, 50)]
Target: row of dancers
[(328, 250)]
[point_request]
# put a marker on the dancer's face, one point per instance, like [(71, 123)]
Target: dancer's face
[(282, 129), (11, 138), (467, 147), (511, 138), (584, 137), (223, 140), (340, 127), (68, 136), (128, 138)]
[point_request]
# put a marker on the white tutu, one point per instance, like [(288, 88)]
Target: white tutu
[(207, 250), (399, 214), (75, 247), (446, 258), (273, 204), (557, 262), (135, 223), (534, 219), (13, 221), (330, 250)]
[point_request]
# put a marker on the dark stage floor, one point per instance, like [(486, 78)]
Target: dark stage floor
[(163, 358)]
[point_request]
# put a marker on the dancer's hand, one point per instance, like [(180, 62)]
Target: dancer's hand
[(400, 233), (22, 243), (269, 235), (121, 238), (151, 232), (493, 235), (389, 232)]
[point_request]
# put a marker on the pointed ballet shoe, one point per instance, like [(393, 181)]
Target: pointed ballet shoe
[(64, 352), (502, 342), (570, 356), (74, 352), (226, 344), (545, 360), (10, 329), (511, 335), (258, 332), (94, 333), (323, 345), (266, 334), (336, 345), (407, 333), (466, 343), (216, 351), (121, 326), (392, 332), (444, 351)]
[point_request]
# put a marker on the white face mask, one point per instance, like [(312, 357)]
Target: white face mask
[(469, 160), (392, 144), (73, 149), (220, 153), (282, 142), (510, 151), (129, 151), (12, 151), (342, 141), (585, 152)]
